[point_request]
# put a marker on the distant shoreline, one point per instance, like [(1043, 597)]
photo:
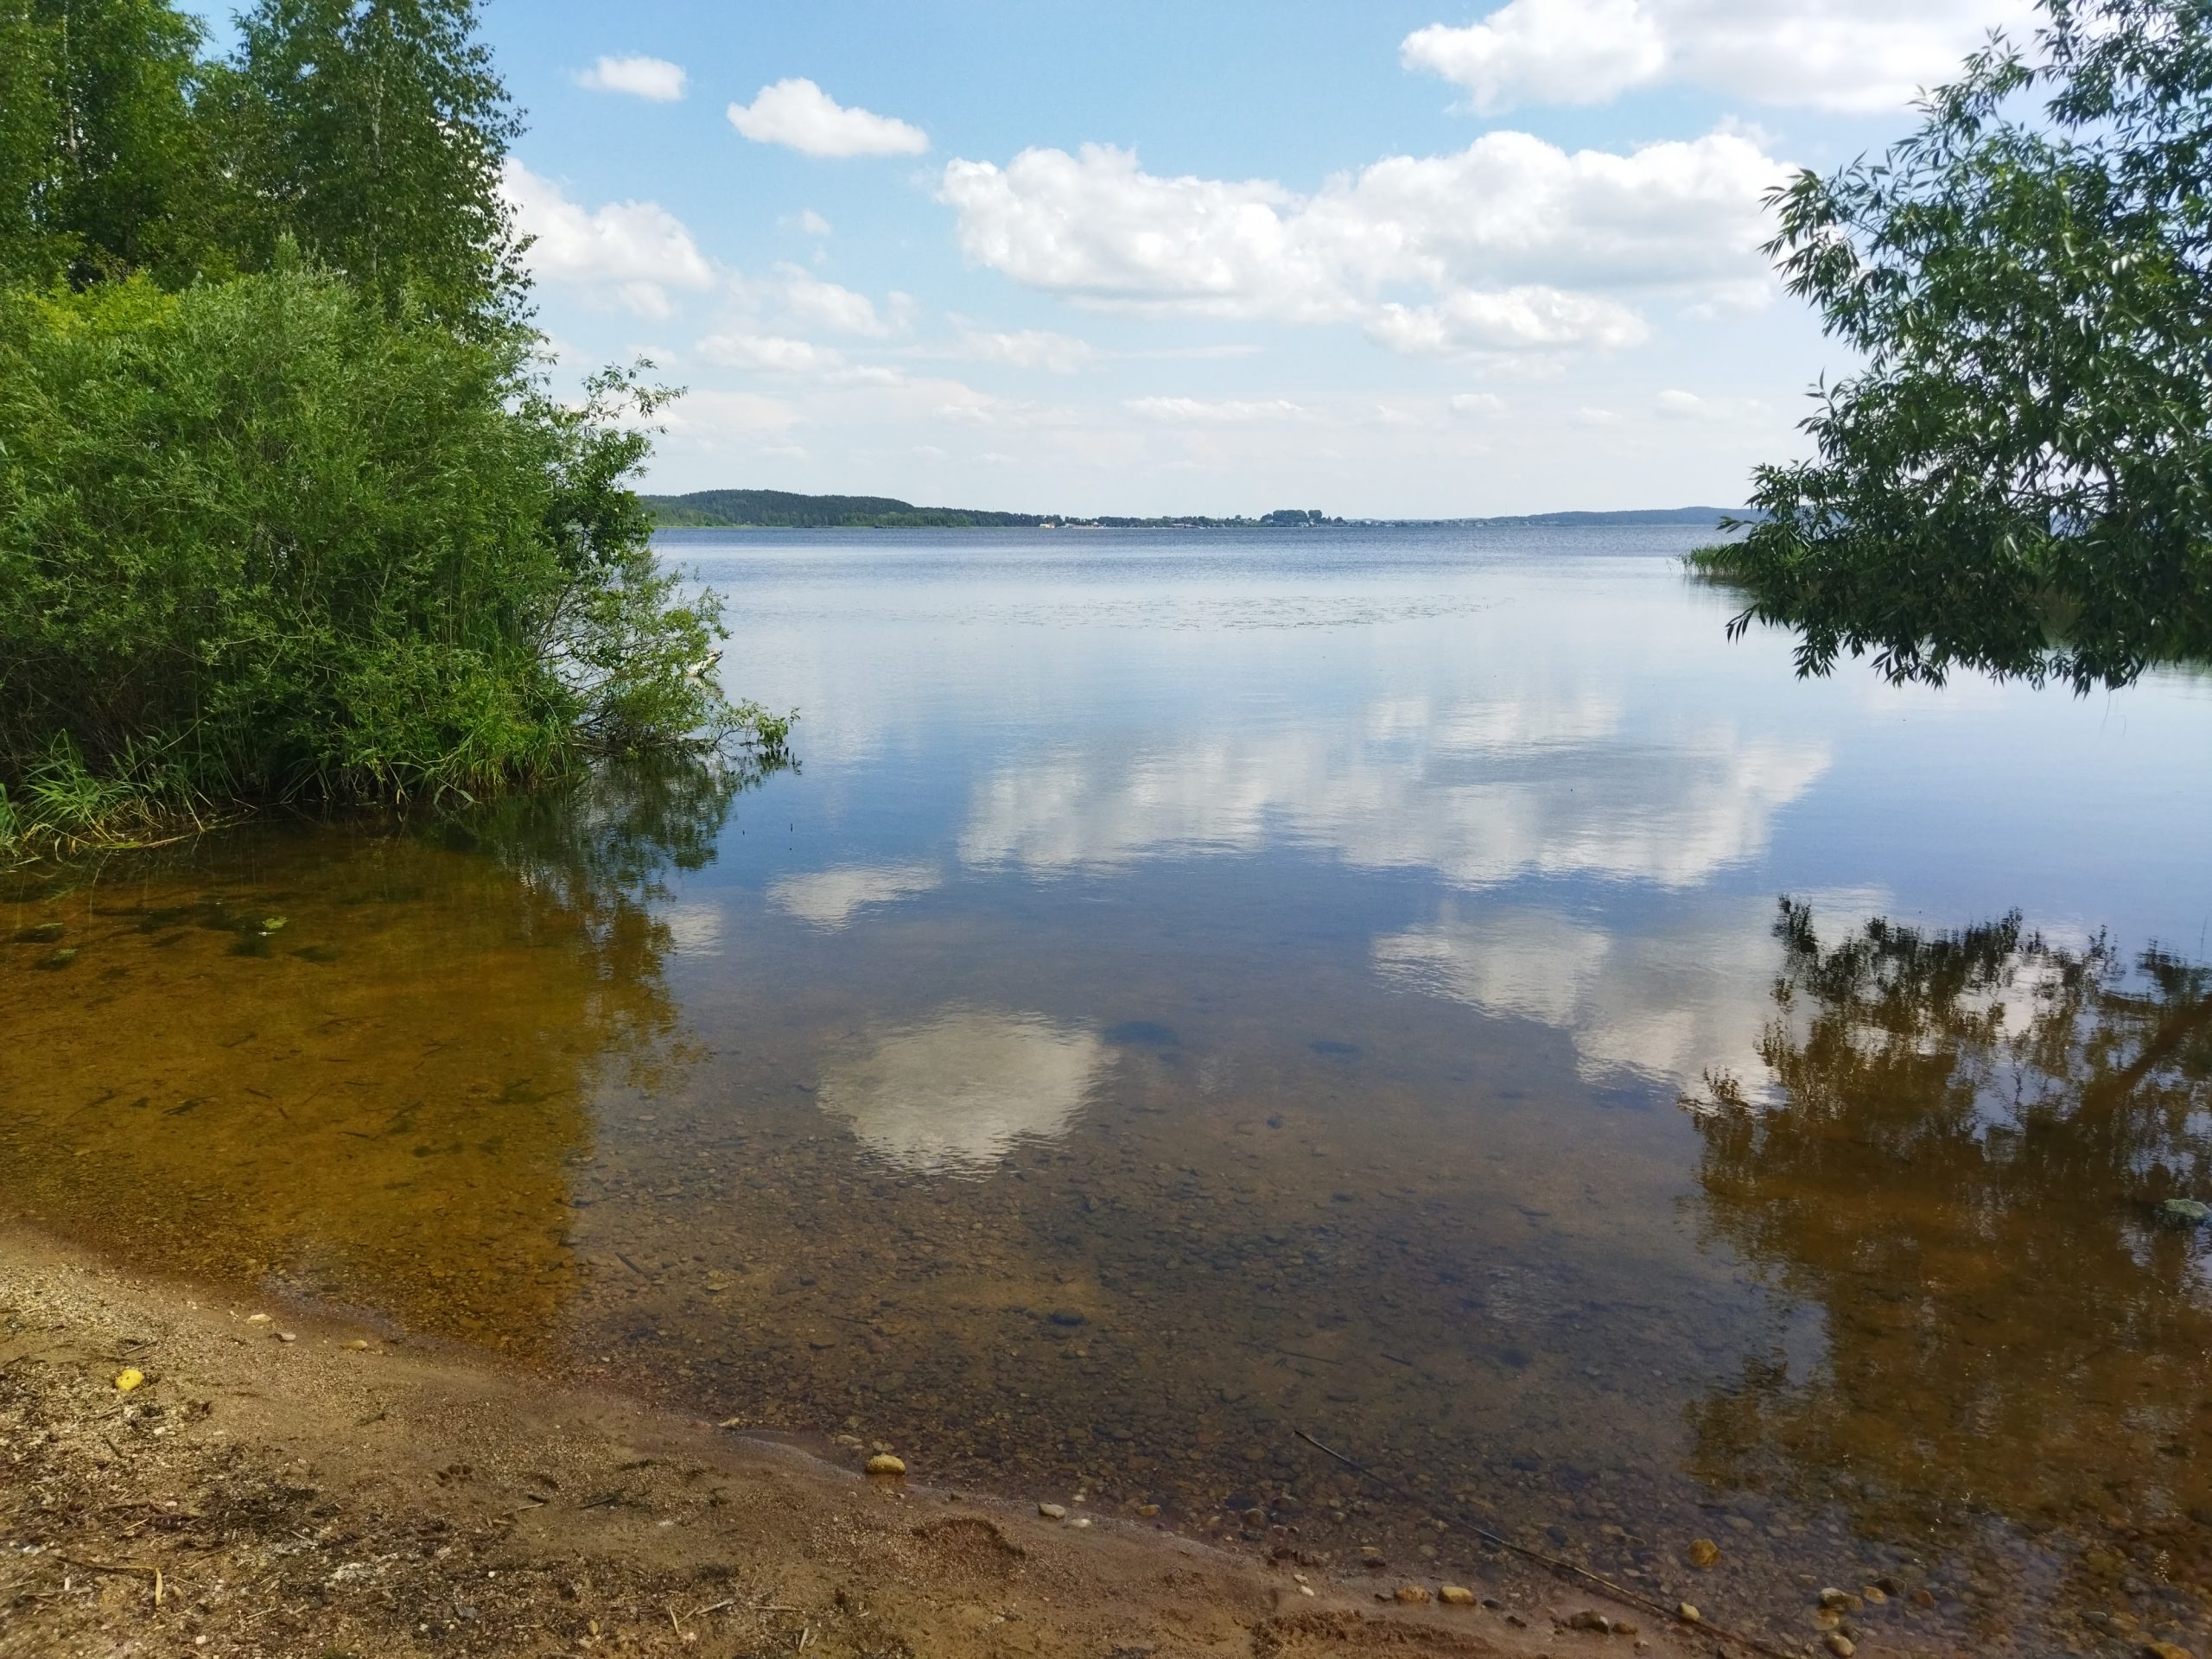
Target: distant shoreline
[(780, 510)]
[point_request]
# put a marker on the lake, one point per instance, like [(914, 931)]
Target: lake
[(1427, 989)]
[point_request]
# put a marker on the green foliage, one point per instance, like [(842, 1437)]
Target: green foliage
[(373, 132), (105, 164), (258, 541), (316, 532), (2020, 478)]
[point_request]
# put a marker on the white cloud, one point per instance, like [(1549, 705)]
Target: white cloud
[(800, 115), (1510, 245), (770, 353), (1682, 406), (1478, 404), (1851, 55), (634, 252), (810, 299), (1543, 51), (813, 223), (1231, 411), (1025, 348), (712, 417), (830, 899), (964, 1088), (1517, 319), (1589, 415), (641, 76)]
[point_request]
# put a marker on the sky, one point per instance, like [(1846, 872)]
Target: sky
[(1374, 257)]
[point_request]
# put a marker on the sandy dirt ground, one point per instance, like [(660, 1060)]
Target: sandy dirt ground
[(292, 1485)]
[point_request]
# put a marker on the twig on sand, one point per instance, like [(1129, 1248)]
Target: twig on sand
[(1619, 1592)]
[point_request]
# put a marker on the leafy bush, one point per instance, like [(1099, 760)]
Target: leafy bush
[(260, 542), (2019, 477)]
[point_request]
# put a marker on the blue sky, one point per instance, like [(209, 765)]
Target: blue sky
[(1378, 259)]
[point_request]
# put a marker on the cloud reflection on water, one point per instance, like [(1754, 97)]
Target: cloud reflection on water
[(831, 899), (1480, 792), (960, 1089), (1670, 1005)]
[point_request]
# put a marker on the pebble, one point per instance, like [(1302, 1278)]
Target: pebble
[(127, 1380), (1687, 1613), (257, 1318), (359, 1346), (1411, 1592), (1148, 1511), (1838, 1599), (2164, 1650), (288, 1336), (1052, 1512), (1080, 1520), (1703, 1553), (1589, 1619), (884, 1463), (1457, 1595), (1840, 1644)]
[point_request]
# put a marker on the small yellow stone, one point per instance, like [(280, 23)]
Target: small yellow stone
[(1457, 1595), (1412, 1593), (884, 1463), (1703, 1553), (127, 1380)]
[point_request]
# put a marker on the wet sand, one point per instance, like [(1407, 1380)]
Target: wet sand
[(346, 1492)]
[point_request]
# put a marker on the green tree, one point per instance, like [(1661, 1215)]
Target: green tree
[(258, 541), (2019, 477), (104, 161), (373, 133)]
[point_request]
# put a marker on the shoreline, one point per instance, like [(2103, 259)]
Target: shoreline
[(304, 1483)]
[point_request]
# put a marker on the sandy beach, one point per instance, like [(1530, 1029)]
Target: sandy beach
[(281, 1484)]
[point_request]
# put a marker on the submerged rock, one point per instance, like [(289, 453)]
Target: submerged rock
[(1702, 1552), (2183, 1212)]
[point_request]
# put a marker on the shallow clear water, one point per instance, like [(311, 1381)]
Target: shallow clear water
[(1198, 988)]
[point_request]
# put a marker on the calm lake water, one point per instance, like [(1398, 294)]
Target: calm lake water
[(1425, 989)]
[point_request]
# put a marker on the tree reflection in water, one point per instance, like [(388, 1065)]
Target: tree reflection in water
[(351, 1061), (1959, 1168)]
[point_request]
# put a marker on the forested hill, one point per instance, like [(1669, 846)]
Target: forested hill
[(1706, 516), (781, 509)]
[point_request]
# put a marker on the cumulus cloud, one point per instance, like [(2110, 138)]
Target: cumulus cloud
[(1476, 405), (1543, 51), (1849, 55), (768, 353), (1589, 415), (640, 77), (634, 252), (810, 299), (800, 115), (1676, 405), (813, 223), (1510, 244)]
